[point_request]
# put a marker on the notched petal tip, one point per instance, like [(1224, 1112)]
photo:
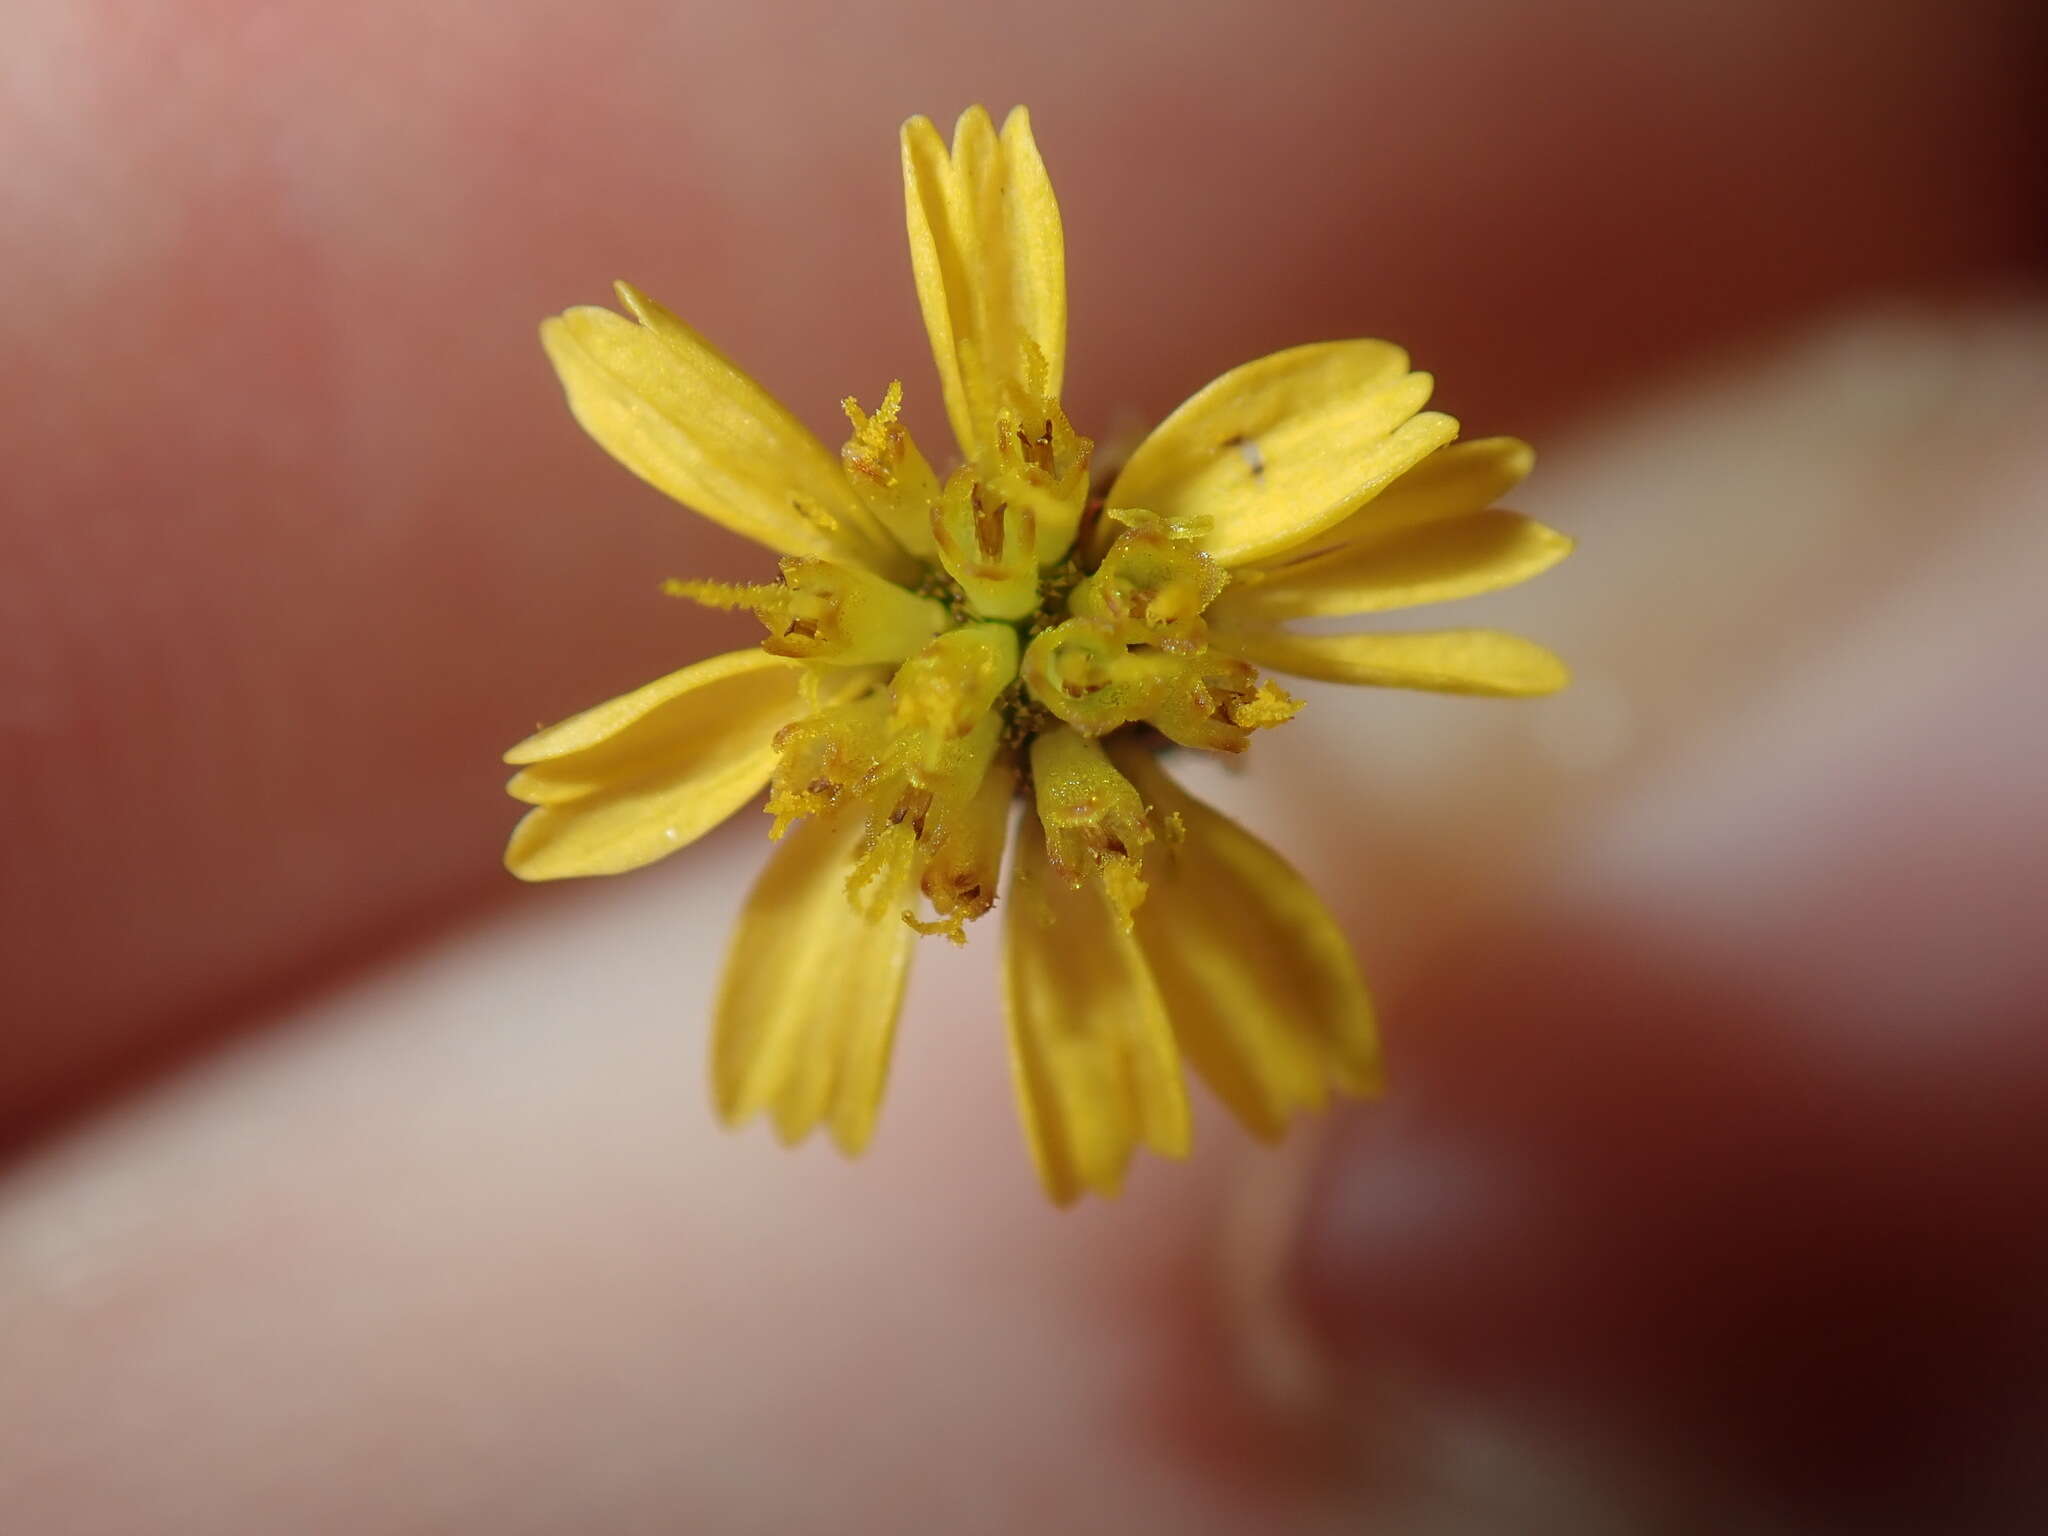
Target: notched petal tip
[(919, 137), (642, 776), (637, 303), (973, 125), (988, 256), (680, 414), (1281, 449), (1092, 1055), (806, 1011), (519, 856), (561, 341), (1554, 679), (1261, 983), (851, 1140)]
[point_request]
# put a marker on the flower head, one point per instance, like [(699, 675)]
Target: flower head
[(1011, 644)]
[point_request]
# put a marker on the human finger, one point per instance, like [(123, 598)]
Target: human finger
[(472, 1199)]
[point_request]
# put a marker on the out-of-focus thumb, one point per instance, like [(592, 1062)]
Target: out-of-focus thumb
[(1710, 1179)]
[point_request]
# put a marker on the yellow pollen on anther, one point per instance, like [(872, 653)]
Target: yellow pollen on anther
[(821, 610)]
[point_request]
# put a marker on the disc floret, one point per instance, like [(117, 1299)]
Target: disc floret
[(1008, 650)]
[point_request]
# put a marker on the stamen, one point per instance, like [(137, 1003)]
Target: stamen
[(820, 610), (881, 871), (827, 760), (988, 524), (1216, 701), (1087, 677), (989, 546), (1041, 461), (1094, 820), (949, 685), (962, 876), (1152, 588), (888, 474)]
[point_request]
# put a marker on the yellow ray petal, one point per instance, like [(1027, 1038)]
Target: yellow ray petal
[(1431, 562), (638, 777), (807, 1007), (1455, 480), (1258, 979), (1037, 249), (673, 409), (1278, 450), (1483, 661), (1091, 1055), (990, 262), (703, 687)]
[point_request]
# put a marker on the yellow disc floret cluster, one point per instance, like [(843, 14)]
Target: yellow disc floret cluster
[(1031, 625)]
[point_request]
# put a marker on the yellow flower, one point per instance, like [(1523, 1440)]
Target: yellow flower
[(942, 647)]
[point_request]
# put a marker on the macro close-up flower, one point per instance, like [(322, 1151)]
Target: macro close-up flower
[(1310, 1069), (992, 659)]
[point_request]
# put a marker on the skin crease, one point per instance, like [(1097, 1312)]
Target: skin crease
[(459, 1250)]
